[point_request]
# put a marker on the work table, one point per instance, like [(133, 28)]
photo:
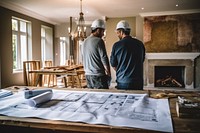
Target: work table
[(40, 125)]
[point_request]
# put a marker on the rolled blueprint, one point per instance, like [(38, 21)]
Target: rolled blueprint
[(5, 93), (31, 93), (44, 97)]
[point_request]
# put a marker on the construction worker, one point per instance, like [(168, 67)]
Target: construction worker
[(95, 59), (127, 59)]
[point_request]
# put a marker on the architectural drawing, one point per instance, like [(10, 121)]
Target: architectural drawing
[(117, 109)]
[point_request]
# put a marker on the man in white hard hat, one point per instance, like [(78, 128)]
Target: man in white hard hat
[(95, 59), (127, 59)]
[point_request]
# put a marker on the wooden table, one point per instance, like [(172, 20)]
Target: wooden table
[(60, 72), (69, 68), (32, 125)]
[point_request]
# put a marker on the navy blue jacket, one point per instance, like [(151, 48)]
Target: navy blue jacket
[(128, 56)]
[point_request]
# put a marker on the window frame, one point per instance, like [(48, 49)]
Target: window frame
[(63, 50), (18, 59), (46, 43)]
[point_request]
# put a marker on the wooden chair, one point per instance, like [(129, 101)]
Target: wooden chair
[(47, 63), (76, 80), (69, 62), (30, 78), (50, 79)]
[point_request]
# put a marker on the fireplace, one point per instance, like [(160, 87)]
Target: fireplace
[(177, 68), (169, 76)]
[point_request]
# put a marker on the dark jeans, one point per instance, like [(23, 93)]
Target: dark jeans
[(130, 86), (97, 82)]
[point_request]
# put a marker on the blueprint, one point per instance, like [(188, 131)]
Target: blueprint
[(115, 109)]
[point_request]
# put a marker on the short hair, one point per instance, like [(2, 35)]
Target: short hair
[(125, 31), (95, 29)]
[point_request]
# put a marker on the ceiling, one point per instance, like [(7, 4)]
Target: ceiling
[(59, 11)]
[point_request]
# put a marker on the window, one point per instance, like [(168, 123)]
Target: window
[(63, 48), (80, 52), (46, 43), (21, 42)]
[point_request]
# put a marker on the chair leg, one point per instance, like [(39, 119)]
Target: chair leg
[(78, 81), (49, 80), (65, 81), (54, 80)]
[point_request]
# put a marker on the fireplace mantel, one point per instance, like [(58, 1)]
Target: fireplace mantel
[(170, 59), (191, 56)]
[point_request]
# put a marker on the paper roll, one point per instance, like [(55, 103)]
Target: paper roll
[(44, 97), (31, 93), (5, 93)]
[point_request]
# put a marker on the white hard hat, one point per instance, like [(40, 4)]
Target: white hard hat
[(123, 25), (98, 23)]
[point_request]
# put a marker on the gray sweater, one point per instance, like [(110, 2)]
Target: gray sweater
[(94, 56)]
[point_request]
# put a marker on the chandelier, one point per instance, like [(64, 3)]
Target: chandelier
[(81, 27)]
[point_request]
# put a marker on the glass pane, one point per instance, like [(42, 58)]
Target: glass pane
[(46, 43), (62, 51), (14, 49), (23, 48), (43, 49), (22, 26), (14, 25), (20, 42), (43, 32)]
